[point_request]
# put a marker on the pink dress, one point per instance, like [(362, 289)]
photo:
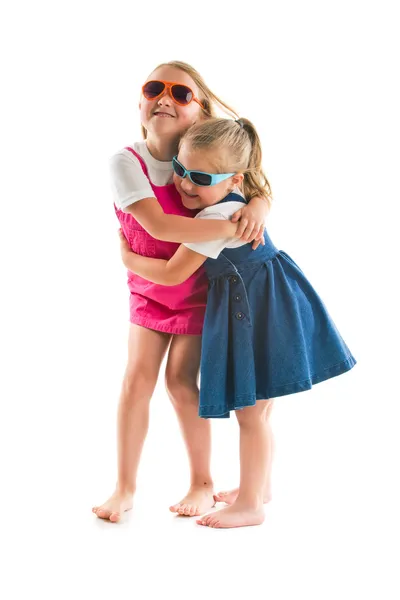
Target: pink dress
[(177, 309)]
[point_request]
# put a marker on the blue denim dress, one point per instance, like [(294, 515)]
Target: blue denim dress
[(266, 331)]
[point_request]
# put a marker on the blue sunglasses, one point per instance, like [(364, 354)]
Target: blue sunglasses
[(198, 177)]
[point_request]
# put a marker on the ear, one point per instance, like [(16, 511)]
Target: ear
[(237, 179)]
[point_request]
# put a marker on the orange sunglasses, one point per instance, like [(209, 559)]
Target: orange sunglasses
[(180, 94)]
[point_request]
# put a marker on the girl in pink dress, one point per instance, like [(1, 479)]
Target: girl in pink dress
[(164, 318)]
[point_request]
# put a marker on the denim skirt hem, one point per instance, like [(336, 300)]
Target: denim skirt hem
[(244, 400)]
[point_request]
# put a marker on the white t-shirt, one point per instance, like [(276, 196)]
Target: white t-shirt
[(128, 182), (218, 211)]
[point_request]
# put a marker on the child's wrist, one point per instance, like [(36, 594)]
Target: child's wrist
[(128, 260), (263, 199)]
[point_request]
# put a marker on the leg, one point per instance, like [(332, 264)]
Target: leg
[(146, 349), (254, 456), (230, 496), (181, 382)]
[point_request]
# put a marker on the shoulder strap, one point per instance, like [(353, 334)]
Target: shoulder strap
[(140, 159)]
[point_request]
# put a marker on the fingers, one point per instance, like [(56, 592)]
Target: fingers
[(242, 227), (260, 233), (249, 233), (236, 216)]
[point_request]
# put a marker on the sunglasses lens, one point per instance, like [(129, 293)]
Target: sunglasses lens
[(179, 170), (200, 178), (182, 94), (152, 89)]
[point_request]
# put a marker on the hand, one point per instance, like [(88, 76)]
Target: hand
[(125, 247), (252, 222)]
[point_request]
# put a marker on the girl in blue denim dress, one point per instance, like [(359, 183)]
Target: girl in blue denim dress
[(266, 331)]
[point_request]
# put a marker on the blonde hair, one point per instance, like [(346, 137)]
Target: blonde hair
[(239, 151), (208, 99)]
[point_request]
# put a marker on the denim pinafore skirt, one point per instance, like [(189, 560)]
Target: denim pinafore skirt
[(266, 331)]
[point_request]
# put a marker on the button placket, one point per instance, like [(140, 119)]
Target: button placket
[(239, 315)]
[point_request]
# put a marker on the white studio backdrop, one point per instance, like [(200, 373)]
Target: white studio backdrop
[(320, 82)]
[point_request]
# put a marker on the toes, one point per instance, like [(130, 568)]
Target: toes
[(220, 497), (202, 520), (103, 514), (207, 521), (181, 509), (193, 511), (115, 517), (174, 508)]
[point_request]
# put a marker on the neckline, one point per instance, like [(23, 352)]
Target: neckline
[(161, 165), (233, 197)]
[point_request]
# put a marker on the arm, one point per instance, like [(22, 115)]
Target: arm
[(164, 272), (172, 228), (132, 193), (252, 221)]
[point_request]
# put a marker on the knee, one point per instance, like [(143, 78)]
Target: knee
[(181, 388), (267, 409), (254, 415), (138, 384)]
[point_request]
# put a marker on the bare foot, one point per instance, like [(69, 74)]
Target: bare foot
[(230, 497), (198, 500), (114, 507), (233, 516)]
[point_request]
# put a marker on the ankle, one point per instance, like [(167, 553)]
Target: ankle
[(125, 490), (250, 502), (202, 483)]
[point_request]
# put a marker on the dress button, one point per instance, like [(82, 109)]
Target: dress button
[(238, 297), (233, 279), (239, 316)]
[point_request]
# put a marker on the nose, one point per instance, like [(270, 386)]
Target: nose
[(165, 98), (187, 185)]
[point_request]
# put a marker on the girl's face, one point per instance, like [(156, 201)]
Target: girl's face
[(196, 196), (162, 117)]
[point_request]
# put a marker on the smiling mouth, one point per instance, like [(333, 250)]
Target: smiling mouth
[(163, 114)]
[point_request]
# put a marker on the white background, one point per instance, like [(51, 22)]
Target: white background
[(320, 81)]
